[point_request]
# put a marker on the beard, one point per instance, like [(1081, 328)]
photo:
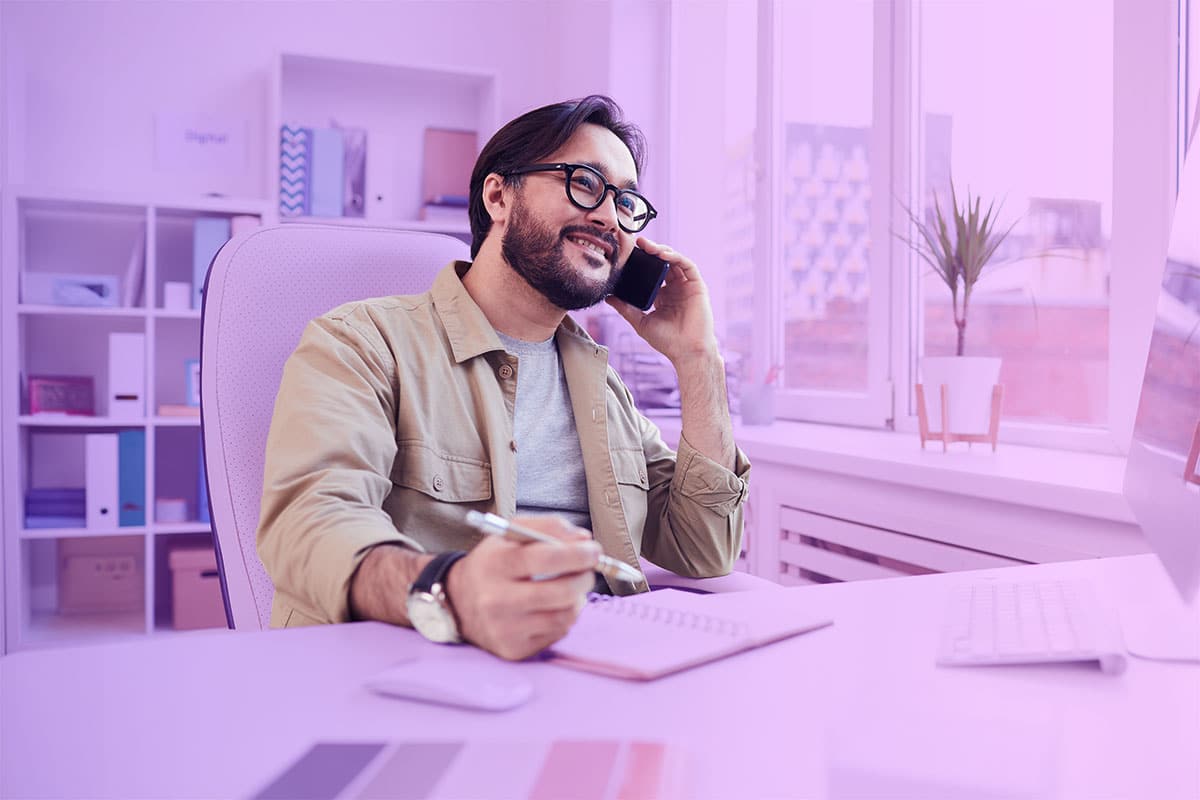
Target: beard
[(537, 255)]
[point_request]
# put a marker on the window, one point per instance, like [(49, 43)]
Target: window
[(1024, 116), (835, 116)]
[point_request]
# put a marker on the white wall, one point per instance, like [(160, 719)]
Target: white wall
[(85, 80)]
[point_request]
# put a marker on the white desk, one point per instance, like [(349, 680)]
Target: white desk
[(219, 714)]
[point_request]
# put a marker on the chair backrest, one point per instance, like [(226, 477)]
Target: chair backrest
[(262, 289)]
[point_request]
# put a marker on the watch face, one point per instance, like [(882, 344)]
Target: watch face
[(431, 619)]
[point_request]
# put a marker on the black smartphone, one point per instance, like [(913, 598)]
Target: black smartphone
[(641, 279)]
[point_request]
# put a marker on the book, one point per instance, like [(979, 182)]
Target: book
[(177, 410), (354, 172), (295, 163), (448, 158), (326, 173), (208, 236), (647, 636), (135, 272)]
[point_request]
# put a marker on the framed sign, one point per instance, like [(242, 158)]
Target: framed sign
[(62, 394)]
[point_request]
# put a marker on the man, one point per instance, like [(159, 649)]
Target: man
[(397, 415)]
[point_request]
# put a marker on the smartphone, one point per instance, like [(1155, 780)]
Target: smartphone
[(641, 279)]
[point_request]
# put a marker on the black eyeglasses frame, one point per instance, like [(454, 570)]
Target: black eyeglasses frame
[(569, 170)]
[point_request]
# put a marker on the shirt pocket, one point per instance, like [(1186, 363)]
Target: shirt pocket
[(629, 467), (441, 476)]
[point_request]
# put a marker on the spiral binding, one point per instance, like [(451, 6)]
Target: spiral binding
[(669, 616)]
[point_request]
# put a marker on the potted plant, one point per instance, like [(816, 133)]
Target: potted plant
[(958, 248)]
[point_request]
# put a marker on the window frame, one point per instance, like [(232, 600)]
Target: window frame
[(1145, 124)]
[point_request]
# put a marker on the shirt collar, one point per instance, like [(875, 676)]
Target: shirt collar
[(467, 328)]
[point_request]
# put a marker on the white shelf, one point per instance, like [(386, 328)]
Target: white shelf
[(80, 533), (177, 422), (62, 200), (164, 528), (162, 313), (181, 527), (398, 225), (68, 421), (51, 628), (29, 309)]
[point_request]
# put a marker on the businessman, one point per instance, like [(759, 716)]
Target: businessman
[(397, 415)]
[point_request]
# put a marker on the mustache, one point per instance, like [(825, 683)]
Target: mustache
[(607, 238)]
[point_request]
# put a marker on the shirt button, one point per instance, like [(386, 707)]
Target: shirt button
[(505, 371), (439, 483), (512, 446)]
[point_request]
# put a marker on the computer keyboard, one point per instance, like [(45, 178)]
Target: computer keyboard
[(1027, 622)]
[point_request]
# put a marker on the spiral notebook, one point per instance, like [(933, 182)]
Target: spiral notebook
[(644, 637)]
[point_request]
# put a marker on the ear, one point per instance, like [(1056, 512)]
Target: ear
[(497, 198)]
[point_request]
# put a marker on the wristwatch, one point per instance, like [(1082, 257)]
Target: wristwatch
[(428, 605)]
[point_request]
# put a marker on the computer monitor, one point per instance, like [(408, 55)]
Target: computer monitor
[(1162, 483)]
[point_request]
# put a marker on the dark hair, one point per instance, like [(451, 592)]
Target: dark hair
[(535, 135)]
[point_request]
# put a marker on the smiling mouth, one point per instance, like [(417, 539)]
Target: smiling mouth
[(592, 250)]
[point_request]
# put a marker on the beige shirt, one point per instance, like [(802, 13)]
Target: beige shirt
[(395, 417)]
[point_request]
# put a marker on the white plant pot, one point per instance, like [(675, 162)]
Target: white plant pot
[(970, 381)]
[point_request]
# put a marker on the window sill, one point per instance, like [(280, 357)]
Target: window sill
[(1084, 484)]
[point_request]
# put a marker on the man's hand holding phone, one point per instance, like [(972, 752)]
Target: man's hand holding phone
[(681, 324)]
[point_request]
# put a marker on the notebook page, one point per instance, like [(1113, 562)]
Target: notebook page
[(642, 638)]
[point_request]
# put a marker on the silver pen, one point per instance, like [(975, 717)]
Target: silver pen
[(497, 525)]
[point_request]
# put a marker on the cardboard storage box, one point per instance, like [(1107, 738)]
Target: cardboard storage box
[(99, 582), (196, 589)]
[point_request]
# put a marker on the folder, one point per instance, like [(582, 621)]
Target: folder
[(100, 472), (127, 375), (131, 479), (202, 513), (295, 167), (209, 234), (328, 165)]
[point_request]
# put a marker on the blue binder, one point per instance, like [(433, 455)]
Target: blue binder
[(328, 167), (209, 234), (131, 478), (202, 491)]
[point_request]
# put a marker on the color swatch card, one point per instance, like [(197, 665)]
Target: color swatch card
[(583, 769)]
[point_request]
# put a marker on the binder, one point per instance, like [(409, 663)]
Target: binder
[(100, 472), (295, 167), (209, 234), (202, 513), (127, 375), (328, 164), (131, 480)]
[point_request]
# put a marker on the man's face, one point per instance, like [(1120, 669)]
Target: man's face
[(573, 257)]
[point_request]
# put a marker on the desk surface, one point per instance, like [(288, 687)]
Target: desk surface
[(219, 714)]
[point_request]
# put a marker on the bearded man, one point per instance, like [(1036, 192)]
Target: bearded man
[(398, 415)]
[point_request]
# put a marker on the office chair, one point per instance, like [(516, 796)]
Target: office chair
[(262, 289)]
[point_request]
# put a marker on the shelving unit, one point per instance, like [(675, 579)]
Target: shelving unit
[(394, 103), (58, 232), (91, 232)]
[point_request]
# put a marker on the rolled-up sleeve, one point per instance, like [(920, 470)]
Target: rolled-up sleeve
[(328, 464), (694, 518)]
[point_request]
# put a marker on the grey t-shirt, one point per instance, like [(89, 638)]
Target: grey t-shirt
[(550, 477)]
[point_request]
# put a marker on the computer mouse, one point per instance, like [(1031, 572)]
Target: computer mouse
[(461, 682)]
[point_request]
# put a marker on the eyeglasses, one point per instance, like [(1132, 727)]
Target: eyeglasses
[(586, 189)]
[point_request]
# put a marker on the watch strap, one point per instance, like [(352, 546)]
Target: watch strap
[(435, 571)]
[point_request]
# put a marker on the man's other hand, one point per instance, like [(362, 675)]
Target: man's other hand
[(516, 599)]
